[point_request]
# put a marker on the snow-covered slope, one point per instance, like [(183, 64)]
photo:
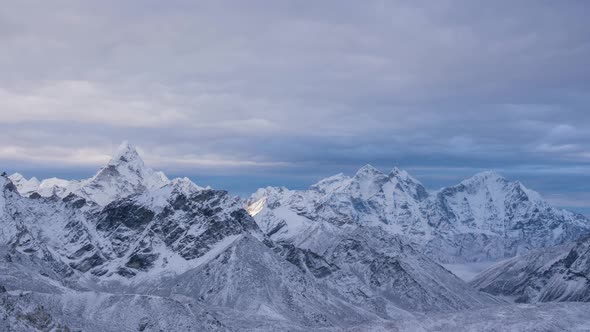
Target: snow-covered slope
[(250, 278), (547, 317), (377, 270), (159, 230), (560, 273), (483, 218)]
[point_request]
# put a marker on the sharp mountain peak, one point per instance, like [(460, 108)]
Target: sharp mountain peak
[(126, 153)]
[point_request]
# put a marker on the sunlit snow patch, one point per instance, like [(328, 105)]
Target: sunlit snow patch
[(255, 208)]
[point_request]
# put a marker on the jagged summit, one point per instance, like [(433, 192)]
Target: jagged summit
[(367, 175), (24, 186), (368, 170), (489, 174), (497, 186), (402, 174), (486, 176), (16, 177), (331, 183), (125, 174), (126, 162), (126, 153)]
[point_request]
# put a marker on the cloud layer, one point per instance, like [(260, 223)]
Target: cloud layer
[(271, 89)]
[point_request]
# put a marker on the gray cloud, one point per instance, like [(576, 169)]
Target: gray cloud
[(298, 89)]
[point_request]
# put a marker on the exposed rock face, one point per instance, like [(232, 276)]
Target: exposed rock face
[(559, 273), (484, 218)]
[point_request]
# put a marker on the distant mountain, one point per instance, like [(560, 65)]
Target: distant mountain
[(484, 218), (125, 174), (560, 273), (156, 253)]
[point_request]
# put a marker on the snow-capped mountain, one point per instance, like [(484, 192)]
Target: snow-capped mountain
[(483, 218), (560, 273), (150, 220), (25, 186), (131, 242), (125, 174)]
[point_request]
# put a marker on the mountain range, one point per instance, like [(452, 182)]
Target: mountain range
[(484, 218), (130, 249)]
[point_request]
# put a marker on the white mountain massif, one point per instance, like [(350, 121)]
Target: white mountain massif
[(131, 250), (484, 218)]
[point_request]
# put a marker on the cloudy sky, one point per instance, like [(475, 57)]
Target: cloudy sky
[(242, 94)]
